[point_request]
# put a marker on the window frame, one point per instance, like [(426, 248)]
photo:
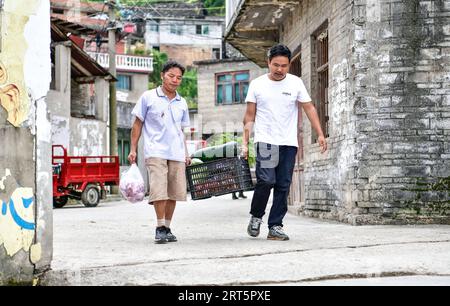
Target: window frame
[(130, 77), (123, 136), (154, 27), (320, 76), (176, 29), (233, 86), (202, 29)]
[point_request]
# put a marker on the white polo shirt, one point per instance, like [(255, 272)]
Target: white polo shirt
[(163, 122), (277, 108)]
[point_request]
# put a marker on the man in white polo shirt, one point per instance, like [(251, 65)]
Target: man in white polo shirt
[(162, 113), (273, 102)]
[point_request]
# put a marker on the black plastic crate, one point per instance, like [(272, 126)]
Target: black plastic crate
[(219, 177)]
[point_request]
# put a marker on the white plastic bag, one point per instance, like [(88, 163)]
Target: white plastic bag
[(132, 185)]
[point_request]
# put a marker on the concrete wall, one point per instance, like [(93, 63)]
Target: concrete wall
[(187, 55), (212, 118), (25, 171), (69, 102), (59, 98), (388, 92), (189, 46), (188, 36), (139, 84)]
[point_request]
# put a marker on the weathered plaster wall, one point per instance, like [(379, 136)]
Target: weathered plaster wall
[(59, 98), (88, 137), (25, 172), (139, 84)]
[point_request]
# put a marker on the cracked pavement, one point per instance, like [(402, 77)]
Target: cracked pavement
[(112, 244)]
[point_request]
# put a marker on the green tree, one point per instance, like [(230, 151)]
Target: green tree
[(188, 88), (159, 58), (215, 7)]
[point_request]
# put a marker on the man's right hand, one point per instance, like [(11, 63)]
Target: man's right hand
[(132, 157), (244, 151)]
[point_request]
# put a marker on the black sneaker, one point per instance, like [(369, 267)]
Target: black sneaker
[(253, 226), (242, 196), (161, 236), (170, 237), (234, 197), (276, 233)]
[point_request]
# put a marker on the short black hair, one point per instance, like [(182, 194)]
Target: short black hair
[(173, 64), (280, 50)]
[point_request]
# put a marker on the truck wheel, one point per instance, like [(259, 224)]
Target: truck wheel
[(90, 196), (59, 202)]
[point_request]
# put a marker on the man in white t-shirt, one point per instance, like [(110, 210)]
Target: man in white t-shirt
[(273, 102)]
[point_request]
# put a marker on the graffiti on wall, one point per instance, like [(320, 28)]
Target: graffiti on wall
[(10, 97), (14, 16), (17, 223)]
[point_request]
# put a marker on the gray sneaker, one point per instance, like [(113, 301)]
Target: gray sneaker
[(160, 236), (276, 233), (170, 237), (253, 226)]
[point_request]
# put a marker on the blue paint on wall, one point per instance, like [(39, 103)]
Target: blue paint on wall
[(4, 208), (27, 202), (19, 221)]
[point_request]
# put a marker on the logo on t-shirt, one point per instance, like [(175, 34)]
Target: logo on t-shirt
[(287, 94)]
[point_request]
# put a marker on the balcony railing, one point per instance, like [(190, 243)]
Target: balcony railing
[(125, 62)]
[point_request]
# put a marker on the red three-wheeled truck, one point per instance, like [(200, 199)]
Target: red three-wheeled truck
[(82, 177)]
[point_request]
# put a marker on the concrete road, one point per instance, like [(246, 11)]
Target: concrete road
[(112, 244)]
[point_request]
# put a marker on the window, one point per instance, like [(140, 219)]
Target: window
[(205, 30), (202, 29), (58, 11), (154, 27), (232, 88), (176, 29), (216, 53), (124, 82), (296, 65), (320, 76), (124, 141)]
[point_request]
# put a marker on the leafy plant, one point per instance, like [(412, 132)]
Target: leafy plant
[(219, 139)]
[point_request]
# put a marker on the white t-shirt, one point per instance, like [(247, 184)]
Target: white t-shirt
[(277, 108)]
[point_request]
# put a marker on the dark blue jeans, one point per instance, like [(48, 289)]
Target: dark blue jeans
[(274, 169)]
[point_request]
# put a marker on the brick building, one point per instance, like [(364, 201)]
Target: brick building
[(379, 74)]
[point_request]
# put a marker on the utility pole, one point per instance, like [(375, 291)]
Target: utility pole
[(112, 85)]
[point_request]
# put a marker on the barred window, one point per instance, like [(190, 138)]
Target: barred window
[(320, 76)]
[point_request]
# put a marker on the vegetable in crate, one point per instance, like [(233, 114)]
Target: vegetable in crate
[(196, 161), (132, 185), (230, 149)]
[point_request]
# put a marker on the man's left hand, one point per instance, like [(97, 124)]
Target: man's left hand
[(188, 161)]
